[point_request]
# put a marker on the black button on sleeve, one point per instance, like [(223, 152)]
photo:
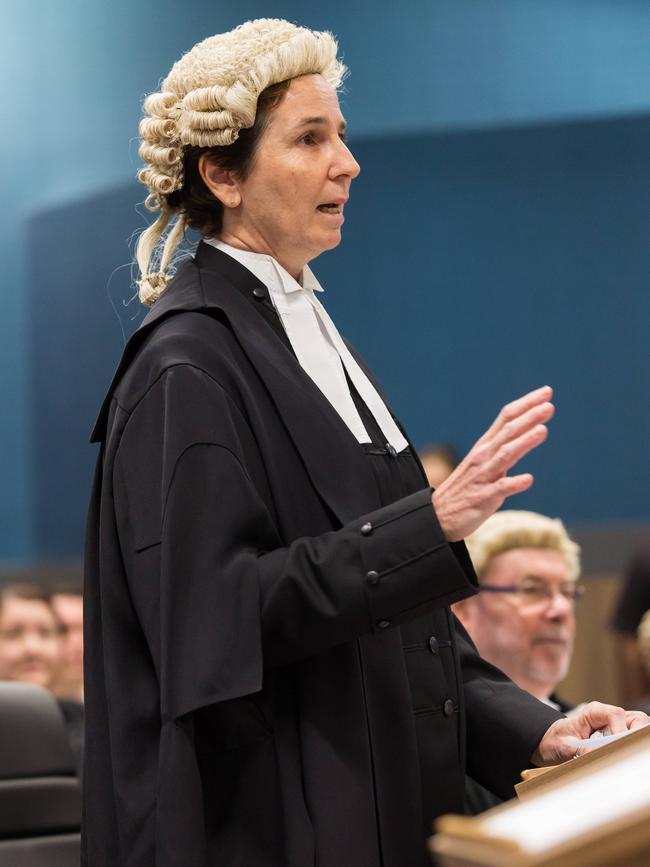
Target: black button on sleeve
[(433, 644), (372, 577), (448, 708), (418, 568), (366, 529), (383, 624)]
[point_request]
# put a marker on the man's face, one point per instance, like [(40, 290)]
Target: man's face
[(68, 607), (29, 642), (529, 634)]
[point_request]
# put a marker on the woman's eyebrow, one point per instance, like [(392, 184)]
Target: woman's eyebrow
[(310, 121)]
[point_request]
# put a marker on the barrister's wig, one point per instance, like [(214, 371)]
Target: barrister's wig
[(513, 528), (210, 95)]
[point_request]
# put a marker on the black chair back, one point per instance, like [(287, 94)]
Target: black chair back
[(40, 794)]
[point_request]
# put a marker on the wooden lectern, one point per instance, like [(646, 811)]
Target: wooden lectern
[(593, 811)]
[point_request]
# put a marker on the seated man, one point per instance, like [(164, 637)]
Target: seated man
[(30, 651), (67, 603), (631, 606), (30, 636), (523, 618)]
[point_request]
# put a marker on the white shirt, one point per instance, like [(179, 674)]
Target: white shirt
[(317, 344)]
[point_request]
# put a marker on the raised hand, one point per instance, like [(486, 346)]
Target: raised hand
[(479, 484)]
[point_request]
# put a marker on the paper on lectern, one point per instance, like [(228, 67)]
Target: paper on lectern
[(598, 739)]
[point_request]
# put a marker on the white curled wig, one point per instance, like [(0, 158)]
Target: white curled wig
[(514, 528), (210, 95)]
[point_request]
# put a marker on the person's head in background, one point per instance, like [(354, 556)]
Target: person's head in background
[(439, 460), (523, 618), (67, 603), (30, 636)]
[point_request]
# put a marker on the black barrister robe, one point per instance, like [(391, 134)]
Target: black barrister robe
[(272, 677)]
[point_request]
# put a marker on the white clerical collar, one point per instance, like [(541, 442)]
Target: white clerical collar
[(318, 346), (268, 270)]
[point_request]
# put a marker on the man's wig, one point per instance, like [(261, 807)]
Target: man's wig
[(514, 528), (210, 95)]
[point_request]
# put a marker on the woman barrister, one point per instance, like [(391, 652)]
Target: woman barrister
[(273, 678)]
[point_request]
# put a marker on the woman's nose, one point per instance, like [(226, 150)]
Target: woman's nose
[(345, 163)]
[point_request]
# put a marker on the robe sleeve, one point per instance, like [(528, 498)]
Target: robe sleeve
[(220, 598), (504, 723)]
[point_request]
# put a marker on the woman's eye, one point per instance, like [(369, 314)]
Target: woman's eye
[(308, 138)]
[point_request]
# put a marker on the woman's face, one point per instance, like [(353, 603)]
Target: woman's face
[(29, 642), (291, 204)]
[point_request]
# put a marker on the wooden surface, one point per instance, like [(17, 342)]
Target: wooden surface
[(464, 841), (536, 779)]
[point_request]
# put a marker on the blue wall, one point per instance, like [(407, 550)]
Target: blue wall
[(500, 225)]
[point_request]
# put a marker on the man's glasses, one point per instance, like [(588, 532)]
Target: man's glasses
[(536, 594)]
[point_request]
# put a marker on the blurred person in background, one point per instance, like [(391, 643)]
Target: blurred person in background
[(67, 603), (643, 646), (30, 636), (523, 618), (31, 651), (632, 604), (438, 460)]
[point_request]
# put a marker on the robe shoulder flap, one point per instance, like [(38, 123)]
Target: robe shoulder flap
[(187, 479)]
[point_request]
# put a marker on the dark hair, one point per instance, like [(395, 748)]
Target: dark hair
[(28, 592), (202, 210)]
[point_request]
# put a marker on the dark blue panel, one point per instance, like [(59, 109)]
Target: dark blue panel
[(477, 266)]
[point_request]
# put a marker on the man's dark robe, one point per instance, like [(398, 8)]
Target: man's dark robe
[(478, 798), (272, 676)]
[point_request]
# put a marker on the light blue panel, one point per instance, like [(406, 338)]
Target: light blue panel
[(440, 64), (20, 124), (76, 73)]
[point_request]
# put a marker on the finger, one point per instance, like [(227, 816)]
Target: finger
[(636, 719), (516, 407), (507, 486), (566, 748), (539, 414), (605, 716), (508, 455)]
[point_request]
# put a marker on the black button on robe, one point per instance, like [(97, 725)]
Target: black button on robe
[(243, 704)]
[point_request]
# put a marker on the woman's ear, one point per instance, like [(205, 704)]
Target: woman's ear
[(219, 181)]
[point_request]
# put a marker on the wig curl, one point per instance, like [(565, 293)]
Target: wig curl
[(209, 96)]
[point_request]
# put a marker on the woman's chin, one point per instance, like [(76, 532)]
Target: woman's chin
[(331, 240)]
